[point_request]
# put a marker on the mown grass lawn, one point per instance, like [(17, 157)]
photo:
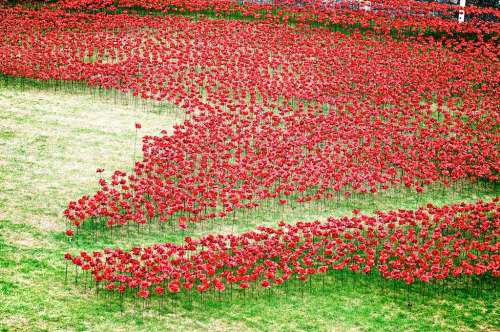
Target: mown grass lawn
[(52, 142)]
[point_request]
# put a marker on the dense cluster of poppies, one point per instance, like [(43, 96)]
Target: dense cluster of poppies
[(274, 111), (431, 243), (285, 103), (384, 15)]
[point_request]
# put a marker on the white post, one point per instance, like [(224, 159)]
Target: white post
[(461, 13), (366, 5)]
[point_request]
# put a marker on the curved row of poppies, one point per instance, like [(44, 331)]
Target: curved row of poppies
[(431, 243), (274, 113), (383, 15)]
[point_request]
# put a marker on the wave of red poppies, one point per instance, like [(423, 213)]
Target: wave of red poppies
[(431, 243), (274, 111), (382, 15), (283, 107)]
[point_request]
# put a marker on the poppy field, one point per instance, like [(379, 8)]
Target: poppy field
[(227, 165)]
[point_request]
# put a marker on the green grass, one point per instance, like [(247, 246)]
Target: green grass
[(52, 143)]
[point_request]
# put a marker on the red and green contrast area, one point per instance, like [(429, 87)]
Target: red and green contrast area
[(285, 112)]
